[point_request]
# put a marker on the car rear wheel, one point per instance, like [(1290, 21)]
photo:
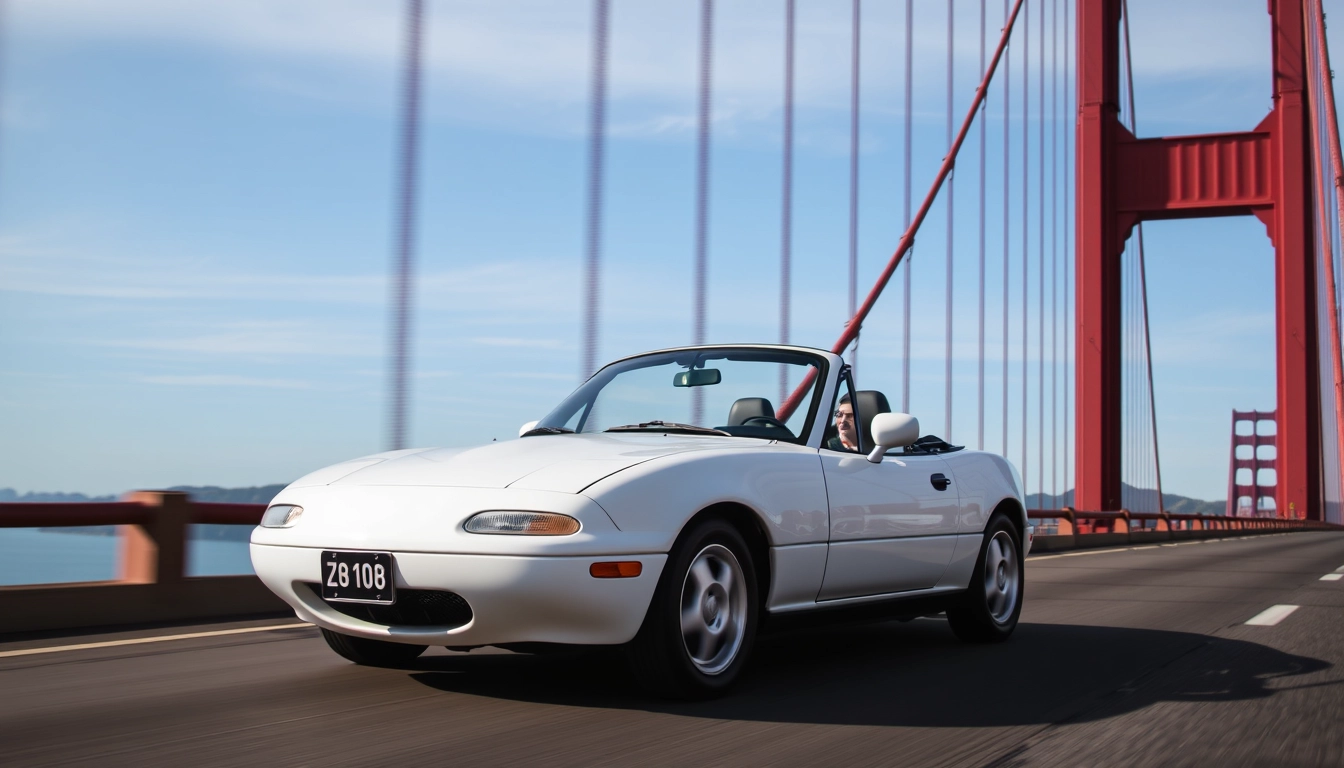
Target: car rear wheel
[(372, 653), (989, 609), (699, 629)]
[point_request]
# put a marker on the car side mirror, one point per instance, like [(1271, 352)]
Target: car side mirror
[(529, 425), (892, 430)]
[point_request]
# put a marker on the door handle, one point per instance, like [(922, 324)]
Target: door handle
[(940, 481)]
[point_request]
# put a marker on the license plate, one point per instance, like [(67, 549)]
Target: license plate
[(358, 577)]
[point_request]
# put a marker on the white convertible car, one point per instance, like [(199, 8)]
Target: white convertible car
[(666, 506)]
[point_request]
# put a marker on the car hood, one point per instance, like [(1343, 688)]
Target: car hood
[(563, 463)]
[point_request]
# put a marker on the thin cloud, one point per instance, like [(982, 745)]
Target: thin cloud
[(225, 381)]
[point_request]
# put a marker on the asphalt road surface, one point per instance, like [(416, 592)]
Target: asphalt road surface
[(1137, 656)]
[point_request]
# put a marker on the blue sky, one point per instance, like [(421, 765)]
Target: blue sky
[(196, 223)]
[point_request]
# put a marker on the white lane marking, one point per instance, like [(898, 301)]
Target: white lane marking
[(1136, 549), (1272, 615), (141, 640), (1340, 569), (1332, 577)]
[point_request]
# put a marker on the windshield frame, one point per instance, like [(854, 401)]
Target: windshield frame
[(582, 398)]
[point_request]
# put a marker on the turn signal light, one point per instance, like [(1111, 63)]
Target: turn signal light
[(622, 570)]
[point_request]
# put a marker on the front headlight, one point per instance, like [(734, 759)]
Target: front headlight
[(281, 516), (524, 523)]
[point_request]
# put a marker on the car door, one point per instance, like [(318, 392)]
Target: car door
[(893, 524)]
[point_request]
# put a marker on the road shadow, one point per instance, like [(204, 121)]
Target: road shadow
[(910, 674)]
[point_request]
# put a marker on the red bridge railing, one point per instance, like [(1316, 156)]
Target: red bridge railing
[(150, 584), (1069, 528)]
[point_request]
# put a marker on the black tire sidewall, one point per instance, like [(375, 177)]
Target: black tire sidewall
[(1000, 630), (661, 633)]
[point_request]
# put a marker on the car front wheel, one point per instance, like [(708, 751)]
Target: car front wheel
[(699, 628), (989, 609), (372, 653)]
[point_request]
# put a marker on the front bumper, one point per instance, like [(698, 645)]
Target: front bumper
[(513, 599)]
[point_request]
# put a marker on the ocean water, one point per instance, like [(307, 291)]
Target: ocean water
[(33, 556)]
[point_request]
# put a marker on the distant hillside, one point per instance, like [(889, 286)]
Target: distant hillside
[(9, 494), (1179, 505)]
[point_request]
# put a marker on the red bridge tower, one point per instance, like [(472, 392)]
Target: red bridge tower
[(1123, 180)]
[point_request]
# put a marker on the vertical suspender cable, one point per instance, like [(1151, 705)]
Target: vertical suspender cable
[(1143, 279), (1068, 199), (702, 186), (909, 141), (948, 201), (1331, 121), (1026, 218), (786, 215), (854, 184), (1040, 261), (597, 125), (405, 236), (1007, 214), (1054, 248), (984, 117)]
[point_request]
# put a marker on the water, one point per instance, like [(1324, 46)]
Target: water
[(33, 556)]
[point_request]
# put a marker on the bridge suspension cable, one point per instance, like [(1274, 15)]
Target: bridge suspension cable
[(909, 142), (702, 186), (786, 215), (597, 129), (405, 222), (980, 377), (1007, 162), (1026, 220), (854, 178), (948, 200)]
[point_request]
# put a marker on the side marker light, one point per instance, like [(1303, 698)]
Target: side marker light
[(622, 570)]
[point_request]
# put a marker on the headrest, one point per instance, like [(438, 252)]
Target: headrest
[(747, 408), (869, 403)]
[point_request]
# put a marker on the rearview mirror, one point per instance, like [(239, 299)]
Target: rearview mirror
[(697, 377), (892, 430)]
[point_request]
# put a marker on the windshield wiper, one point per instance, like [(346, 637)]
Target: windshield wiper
[(547, 431), (667, 426)]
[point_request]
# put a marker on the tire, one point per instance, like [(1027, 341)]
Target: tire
[(988, 611), (701, 624), (372, 653)]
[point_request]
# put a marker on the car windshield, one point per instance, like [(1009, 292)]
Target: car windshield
[(732, 391)]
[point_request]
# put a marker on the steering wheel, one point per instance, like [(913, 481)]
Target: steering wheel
[(766, 421)]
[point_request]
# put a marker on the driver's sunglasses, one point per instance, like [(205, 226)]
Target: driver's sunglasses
[(841, 415)]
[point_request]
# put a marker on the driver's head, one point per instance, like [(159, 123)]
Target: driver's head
[(844, 423)]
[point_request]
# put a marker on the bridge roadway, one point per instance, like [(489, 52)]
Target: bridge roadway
[(1135, 656)]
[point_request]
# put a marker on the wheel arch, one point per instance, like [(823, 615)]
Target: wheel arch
[(748, 523), (1013, 510)]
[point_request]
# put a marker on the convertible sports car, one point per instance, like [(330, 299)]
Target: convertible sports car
[(666, 506)]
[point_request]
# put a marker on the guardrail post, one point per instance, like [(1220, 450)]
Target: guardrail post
[(1121, 522), (157, 551), (1064, 525)]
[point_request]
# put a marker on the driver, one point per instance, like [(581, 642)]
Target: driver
[(847, 430)]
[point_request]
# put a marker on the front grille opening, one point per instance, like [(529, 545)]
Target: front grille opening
[(414, 608)]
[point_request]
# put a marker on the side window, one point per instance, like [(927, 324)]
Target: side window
[(843, 433)]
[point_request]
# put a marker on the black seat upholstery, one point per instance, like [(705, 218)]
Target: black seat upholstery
[(870, 403), (749, 408)]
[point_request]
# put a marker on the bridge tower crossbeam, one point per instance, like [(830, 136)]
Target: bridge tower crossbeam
[(1123, 180)]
